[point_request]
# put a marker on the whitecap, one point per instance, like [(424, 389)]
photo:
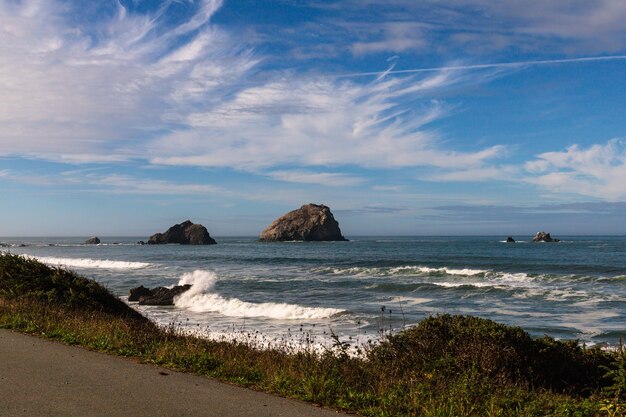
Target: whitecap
[(200, 298), (90, 263)]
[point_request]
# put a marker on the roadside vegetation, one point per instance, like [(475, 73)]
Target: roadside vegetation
[(444, 366)]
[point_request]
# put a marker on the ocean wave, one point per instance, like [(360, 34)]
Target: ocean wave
[(91, 263), (400, 270), (200, 298)]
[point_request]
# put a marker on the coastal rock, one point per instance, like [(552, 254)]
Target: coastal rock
[(92, 241), (159, 296), (311, 222), (136, 293), (185, 233), (544, 237), (510, 240)]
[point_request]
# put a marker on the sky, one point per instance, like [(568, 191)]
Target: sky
[(437, 117)]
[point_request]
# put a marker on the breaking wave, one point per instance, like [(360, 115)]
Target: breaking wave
[(200, 298), (90, 263), (401, 270)]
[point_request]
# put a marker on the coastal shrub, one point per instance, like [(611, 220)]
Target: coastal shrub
[(22, 277), (449, 345)]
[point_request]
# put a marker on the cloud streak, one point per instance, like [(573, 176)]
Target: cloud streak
[(516, 64)]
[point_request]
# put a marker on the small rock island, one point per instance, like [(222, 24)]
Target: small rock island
[(159, 296), (185, 233), (92, 241), (311, 222), (544, 237)]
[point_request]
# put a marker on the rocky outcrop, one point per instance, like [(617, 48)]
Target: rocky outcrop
[(311, 222), (544, 237), (159, 296), (185, 233), (92, 241), (510, 240)]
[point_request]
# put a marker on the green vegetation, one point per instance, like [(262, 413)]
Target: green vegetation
[(444, 366)]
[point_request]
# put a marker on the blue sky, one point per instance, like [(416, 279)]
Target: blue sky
[(430, 117)]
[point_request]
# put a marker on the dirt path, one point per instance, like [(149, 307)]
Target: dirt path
[(44, 378)]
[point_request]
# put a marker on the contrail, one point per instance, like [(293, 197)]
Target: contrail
[(483, 66)]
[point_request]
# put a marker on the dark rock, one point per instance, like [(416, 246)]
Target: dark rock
[(159, 296), (185, 233), (92, 241), (141, 242), (136, 293), (311, 222), (510, 240), (544, 237)]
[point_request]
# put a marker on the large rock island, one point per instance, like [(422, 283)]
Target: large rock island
[(185, 233), (311, 222)]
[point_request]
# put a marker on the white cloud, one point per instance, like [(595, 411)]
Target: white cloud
[(598, 171), (331, 179), (390, 37)]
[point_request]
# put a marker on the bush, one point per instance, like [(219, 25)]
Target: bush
[(450, 345), (25, 278)]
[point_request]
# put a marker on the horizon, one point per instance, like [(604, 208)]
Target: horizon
[(437, 118)]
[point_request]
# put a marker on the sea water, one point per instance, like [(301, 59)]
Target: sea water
[(356, 290)]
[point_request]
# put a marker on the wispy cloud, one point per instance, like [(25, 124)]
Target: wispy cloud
[(92, 181), (95, 91), (322, 122), (331, 179), (516, 64), (480, 26)]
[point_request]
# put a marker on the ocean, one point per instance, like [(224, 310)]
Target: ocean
[(311, 292)]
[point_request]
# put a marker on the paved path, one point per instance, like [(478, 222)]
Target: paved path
[(44, 378)]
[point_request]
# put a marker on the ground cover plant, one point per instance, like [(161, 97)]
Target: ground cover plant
[(444, 366)]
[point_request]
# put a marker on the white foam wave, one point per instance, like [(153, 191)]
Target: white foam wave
[(200, 298), (401, 270), (91, 263)]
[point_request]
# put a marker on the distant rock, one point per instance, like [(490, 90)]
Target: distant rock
[(510, 240), (544, 237), (141, 242), (159, 296), (92, 241), (311, 222), (185, 233)]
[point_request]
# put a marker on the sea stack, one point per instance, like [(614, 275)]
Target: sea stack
[(92, 241), (510, 239), (544, 237), (159, 296), (311, 222), (185, 233)]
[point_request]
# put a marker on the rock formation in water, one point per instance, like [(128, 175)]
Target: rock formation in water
[(185, 233), (510, 240), (311, 222), (159, 296), (92, 241), (544, 237)]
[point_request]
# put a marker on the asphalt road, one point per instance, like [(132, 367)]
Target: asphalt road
[(43, 378)]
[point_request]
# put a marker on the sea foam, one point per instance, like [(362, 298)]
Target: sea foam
[(90, 263), (200, 298)]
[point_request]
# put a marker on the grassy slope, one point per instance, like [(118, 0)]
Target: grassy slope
[(444, 366)]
